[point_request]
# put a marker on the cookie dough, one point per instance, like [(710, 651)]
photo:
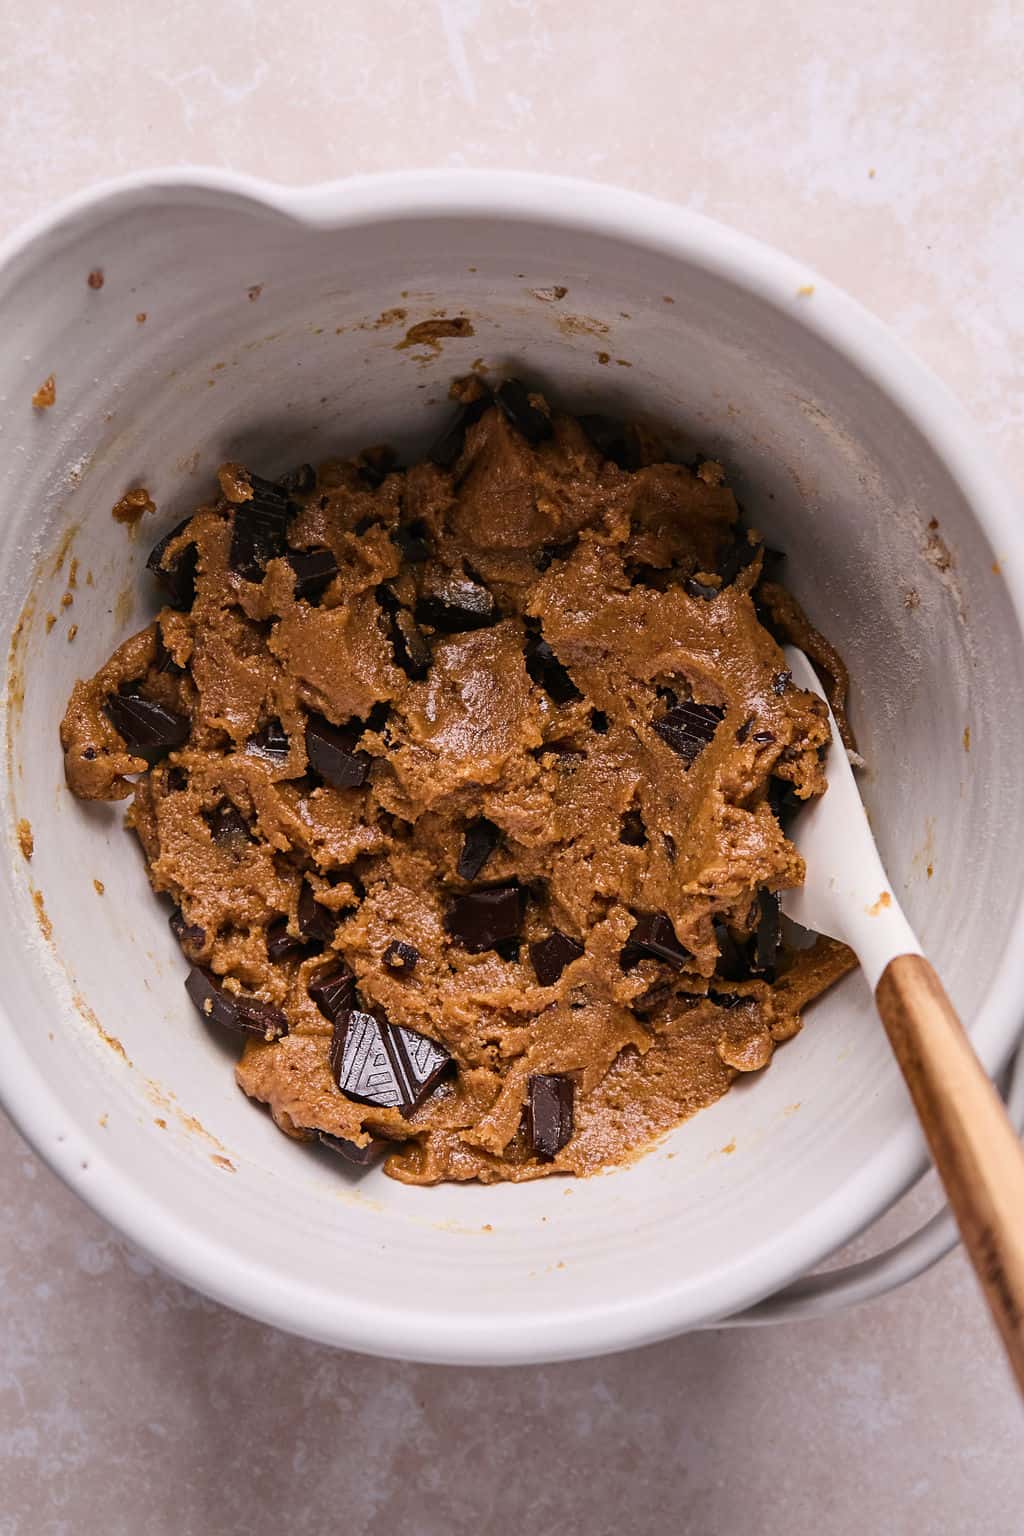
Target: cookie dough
[(495, 750)]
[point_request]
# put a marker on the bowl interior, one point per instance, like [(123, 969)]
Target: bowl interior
[(226, 328)]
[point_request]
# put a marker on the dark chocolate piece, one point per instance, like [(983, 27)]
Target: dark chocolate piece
[(316, 923), (280, 942), (177, 780), (333, 991), (736, 556), (549, 1113), (361, 1064), (550, 956), (481, 839), (331, 752), (632, 830), (379, 1063), (234, 1010), (178, 576), (731, 1000), (450, 444), (514, 400), (764, 737), (548, 672), (733, 963), (314, 569), (766, 935), (271, 740), (481, 919), (165, 664), (552, 552), (780, 682), (410, 645), (190, 936), (688, 728), (654, 935), (744, 730), (351, 1151), (228, 826), (259, 529), (697, 588), (599, 722), (783, 800), (149, 730), (400, 957), (453, 604), (413, 539), (299, 481)]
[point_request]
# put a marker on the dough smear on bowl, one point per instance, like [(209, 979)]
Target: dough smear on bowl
[(468, 784)]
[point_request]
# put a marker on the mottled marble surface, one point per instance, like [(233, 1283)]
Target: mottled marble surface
[(883, 145)]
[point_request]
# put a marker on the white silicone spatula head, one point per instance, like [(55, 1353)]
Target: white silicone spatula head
[(846, 893)]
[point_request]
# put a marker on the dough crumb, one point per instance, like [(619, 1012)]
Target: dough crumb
[(26, 842), (46, 394), (95, 278), (133, 506), (98, 887)]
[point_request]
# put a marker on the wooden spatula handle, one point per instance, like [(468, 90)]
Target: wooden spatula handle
[(974, 1147)]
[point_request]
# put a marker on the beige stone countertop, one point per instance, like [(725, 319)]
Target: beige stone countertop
[(883, 144)]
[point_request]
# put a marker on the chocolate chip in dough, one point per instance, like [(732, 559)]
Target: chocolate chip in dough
[(351, 1151), (316, 923), (453, 604), (480, 841), (547, 671), (281, 943), (733, 963), (632, 831), (410, 645), (259, 529), (421, 1061), (767, 935), (271, 740), (228, 826), (450, 444), (783, 800), (549, 1113), (514, 401), (400, 957), (190, 936), (314, 569), (481, 919), (378, 1063), (331, 752), (333, 990), (688, 728), (780, 682), (149, 730), (654, 936), (413, 540), (550, 956), (234, 1010), (178, 575), (695, 588), (300, 481)]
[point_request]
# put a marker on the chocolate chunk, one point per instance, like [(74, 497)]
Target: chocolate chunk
[(549, 1113), (330, 749), (314, 569), (177, 780), (178, 576), (228, 826), (766, 935), (351, 1151), (375, 1062), (316, 923), (454, 604), (450, 444), (632, 830), (481, 839), (552, 552), (234, 1010), (688, 728), (547, 671), (333, 990), (299, 481), (731, 1000), (280, 942), (515, 402), (654, 935), (149, 730), (190, 936), (550, 956), (421, 1062), (599, 722), (481, 919), (413, 539), (780, 682), (259, 529), (410, 645), (736, 556), (400, 957), (271, 740), (699, 589), (783, 800), (733, 962), (361, 1064), (744, 730)]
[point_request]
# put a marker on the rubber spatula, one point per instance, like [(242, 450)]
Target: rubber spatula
[(974, 1147)]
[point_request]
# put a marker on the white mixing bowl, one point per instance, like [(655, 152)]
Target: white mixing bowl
[(266, 339)]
